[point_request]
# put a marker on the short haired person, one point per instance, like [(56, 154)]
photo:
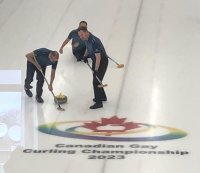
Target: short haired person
[(95, 50), (78, 45), (37, 61)]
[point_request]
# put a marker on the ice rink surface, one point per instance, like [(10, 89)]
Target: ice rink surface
[(150, 122)]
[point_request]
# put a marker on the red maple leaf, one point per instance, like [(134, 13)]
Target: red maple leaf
[(93, 125), (113, 120), (113, 123)]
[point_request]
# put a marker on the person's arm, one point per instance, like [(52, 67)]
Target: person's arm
[(63, 45), (98, 60), (53, 72), (31, 58)]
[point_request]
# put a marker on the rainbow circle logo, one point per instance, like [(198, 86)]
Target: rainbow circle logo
[(112, 129)]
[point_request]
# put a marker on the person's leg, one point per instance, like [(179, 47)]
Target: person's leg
[(29, 78), (98, 101), (99, 93), (82, 52), (102, 71), (40, 83), (79, 53), (76, 54)]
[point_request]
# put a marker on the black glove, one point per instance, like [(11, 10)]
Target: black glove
[(85, 59)]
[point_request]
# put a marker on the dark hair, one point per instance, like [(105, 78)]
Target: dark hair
[(82, 28), (83, 22)]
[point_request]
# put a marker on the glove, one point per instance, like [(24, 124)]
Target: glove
[(85, 59)]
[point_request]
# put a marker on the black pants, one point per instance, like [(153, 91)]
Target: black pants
[(30, 71), (79, 52), (99, 93)]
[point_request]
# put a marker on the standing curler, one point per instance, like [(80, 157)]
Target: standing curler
[(96, 51)]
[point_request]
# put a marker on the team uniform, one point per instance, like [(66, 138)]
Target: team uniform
[(79, 50), (42, 57), (94, 45)]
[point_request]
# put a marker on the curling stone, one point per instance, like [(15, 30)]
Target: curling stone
[(61, 98)]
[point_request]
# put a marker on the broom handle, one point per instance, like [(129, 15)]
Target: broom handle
[(95, 75), (113, 60)]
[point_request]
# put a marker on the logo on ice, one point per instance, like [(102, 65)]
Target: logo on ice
[(112, 129)]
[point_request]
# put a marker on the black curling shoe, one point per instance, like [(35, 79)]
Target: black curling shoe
[(101, 100), (39, 99), (28, 91), (96, 106)]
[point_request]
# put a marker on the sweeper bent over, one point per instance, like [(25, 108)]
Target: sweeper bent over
[(37, 61)]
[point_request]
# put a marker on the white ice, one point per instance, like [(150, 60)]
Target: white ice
[(157, 40)]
